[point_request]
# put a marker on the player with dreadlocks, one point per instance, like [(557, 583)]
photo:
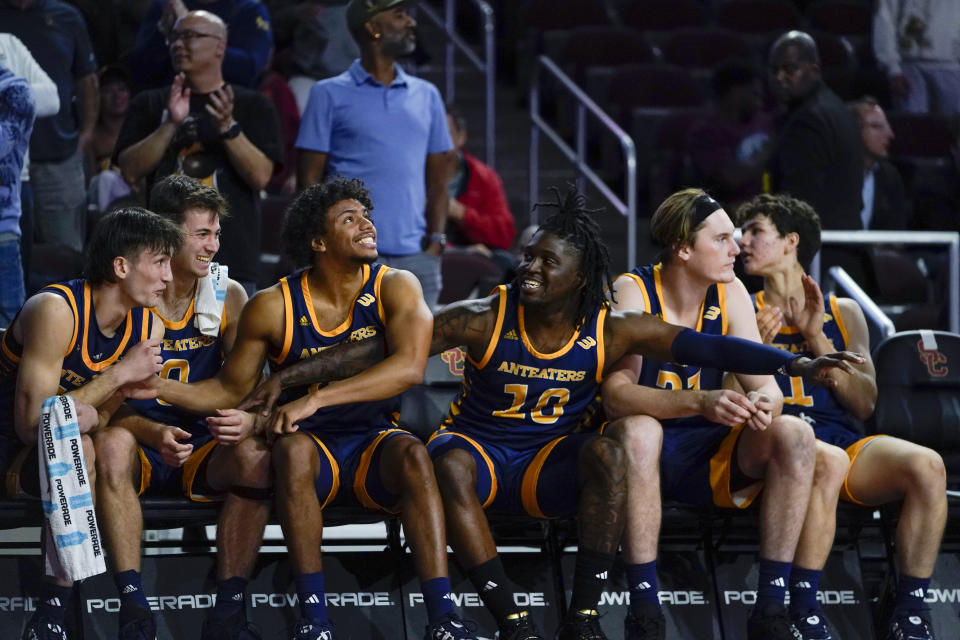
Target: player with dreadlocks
[(536, 352)]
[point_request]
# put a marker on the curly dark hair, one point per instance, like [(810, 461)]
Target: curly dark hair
[(788, 215), (306, 217), (127, 232), (573, 222)]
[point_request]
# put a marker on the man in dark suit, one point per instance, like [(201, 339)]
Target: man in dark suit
[(885, 204)]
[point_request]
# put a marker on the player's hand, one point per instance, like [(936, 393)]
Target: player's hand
[(174, 452), (230, 426), (769, 321), (817, 370), (178, 104), (763, 415), (220, 106), (726, 406), (808, 316), (87, 416), (141, 362), (146, 389), (266, 394), (285, 418)]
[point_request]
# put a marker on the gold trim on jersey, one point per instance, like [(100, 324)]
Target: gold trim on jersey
[(190, 469), (127, 331), (483, 454), (334, 471), (308, 302), (528, 486), (601, 348), (722, 301), (721, 465), (376, 292), (658, 285), (543, 356), (7, 351), (363, 468), (838, 318), (852, 452), (76, 314), (287, 321), (176, 325), (643, 290), (498, 327)]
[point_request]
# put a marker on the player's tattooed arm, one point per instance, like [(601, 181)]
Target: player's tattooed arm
[(467, 323)]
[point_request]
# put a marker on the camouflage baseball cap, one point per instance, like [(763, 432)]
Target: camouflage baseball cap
[(359, 11)]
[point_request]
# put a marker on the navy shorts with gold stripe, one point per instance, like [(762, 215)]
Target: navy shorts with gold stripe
[(346, 461), (542, 482), (157, 477), (697, 466), (851, 442)]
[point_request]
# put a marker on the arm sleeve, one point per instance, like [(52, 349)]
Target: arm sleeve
[(250, 41), (885, 36), (728, 353), (317, 121), (44, 90)]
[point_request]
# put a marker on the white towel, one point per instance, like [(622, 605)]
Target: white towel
[(72, 545), (211, 294)]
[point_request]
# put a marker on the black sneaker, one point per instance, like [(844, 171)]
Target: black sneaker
[(582, 625), (520, 627), (232, 627), (41, 629), (646, 624), (310, 630), (812, 625), (141, 627), (450, 627), (910, 625), (771, 624)]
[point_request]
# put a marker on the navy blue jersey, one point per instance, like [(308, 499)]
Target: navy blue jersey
[(302, 337), (521, 398), (188, 356), (712, 320), (89, 353), (813, 403)]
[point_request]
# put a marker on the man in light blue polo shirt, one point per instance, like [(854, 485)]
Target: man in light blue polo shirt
[(381, 125)]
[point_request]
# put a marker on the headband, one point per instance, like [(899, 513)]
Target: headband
[(703, 206)]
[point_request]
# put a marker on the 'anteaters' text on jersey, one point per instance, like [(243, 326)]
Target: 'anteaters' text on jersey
[(302, 337), (813, 403), (89, 353), (712, 320), (521, 398)]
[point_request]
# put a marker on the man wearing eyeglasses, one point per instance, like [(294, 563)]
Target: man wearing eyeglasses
[(224, 135), (885, 204)]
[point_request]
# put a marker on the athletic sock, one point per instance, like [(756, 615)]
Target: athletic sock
[(910, 593), (490, 581), (54, 601), (772, 583), (642, 582), (803, 590), (231, 597), (589, 576), (313, 600), (130, 586), (436, 595)]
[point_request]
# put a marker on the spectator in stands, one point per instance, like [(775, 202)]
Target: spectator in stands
[(248, 40), (83, 338), (17, 58), (478, 217), (917, 42), (730, 148), (780, 237), (56, 35), (818, 156), (154, 447), (936, 192), (885, 203), (720, 447), (276, 88), (17, 108), (107, 184), (378, 123), (224, 135)]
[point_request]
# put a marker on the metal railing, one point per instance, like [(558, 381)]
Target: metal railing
[(487, 65), (950, 239), (870, 309), (626, 206)]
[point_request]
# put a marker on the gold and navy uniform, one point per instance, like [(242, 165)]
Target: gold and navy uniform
[(89, 353), (697, 454), (347, 436), (188, 356), (519, 410), (814, 403)]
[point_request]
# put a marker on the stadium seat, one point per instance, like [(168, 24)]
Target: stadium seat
[(273, 262), (704, 47), (918, 393), (758, 16), (467, 275), (653, 86), (593, 46), (841, 17), (664, 15), (564, 14), (920, 135)]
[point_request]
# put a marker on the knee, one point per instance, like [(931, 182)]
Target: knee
[(640, 436), (830, 470), (925, 473), (89, 456), (605, 459), (292, 455), (792, 442), (415, 462), (113, 450), (252, 458), (455, 473)]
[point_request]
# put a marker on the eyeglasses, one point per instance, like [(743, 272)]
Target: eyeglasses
[(188, 36)]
